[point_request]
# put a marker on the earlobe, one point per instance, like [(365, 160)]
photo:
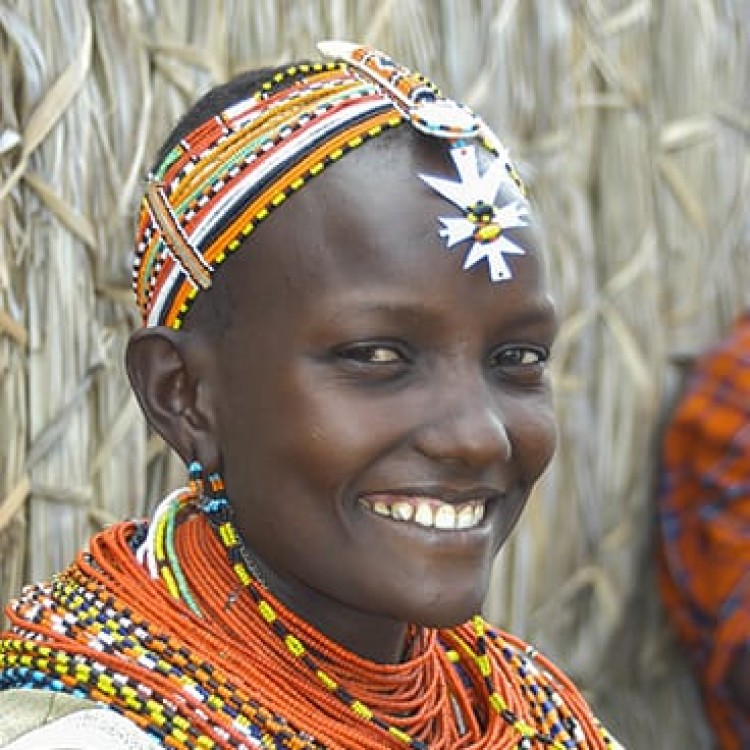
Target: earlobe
[(171, 381)]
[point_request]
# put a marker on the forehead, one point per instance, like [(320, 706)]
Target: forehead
[(369, 227)]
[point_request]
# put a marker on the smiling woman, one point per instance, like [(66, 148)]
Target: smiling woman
[(355, 374)]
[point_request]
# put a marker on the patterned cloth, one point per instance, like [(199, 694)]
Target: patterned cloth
[(704, 517)]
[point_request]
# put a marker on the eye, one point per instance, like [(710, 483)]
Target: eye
[(375, 354), (372, 354), (522, 363)]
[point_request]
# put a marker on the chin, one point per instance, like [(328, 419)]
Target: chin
[(445, 609)]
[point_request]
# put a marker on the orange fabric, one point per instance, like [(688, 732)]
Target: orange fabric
[(704, 516)]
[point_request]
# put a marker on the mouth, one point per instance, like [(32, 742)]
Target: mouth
[(428, 512)]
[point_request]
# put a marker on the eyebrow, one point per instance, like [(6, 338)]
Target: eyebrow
[(540, 311), (393, 309)]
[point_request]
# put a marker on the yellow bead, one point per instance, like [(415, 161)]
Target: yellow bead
[(294, 645), (497, 702), (266, 611), (227, 535), (485, 668), (181, 723), (328, 682), (214, 702), (399, 734), (241, 572), (488, 233), (361, 710)]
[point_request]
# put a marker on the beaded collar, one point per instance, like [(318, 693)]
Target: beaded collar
[(233, 668)]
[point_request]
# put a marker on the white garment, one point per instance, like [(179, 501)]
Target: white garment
[(92, 729)]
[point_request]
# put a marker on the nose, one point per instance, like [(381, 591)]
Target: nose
[(468, 428)]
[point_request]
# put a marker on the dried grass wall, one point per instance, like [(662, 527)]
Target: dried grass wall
[(630, 122)]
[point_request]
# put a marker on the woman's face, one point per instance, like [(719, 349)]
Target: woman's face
[(382, 414)]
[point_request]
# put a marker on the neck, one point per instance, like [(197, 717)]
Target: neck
[(369, 636)]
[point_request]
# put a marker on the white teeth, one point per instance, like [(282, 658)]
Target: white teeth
[(465, 517), (424, 514), (445, 518), (402, 511), (430, 513)]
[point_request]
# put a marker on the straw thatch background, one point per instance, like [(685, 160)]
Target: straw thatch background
[(630, 122)]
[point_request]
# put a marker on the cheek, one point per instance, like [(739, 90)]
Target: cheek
[(535, 437), (316, 437), (337, 437)]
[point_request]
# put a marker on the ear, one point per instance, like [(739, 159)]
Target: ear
[(171, 374)]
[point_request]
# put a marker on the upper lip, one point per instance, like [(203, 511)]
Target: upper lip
[(442, 493)]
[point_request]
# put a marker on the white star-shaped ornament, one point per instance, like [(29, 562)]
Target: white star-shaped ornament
[(482, 222)]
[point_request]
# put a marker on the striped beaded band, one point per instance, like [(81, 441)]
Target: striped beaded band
[(213, 189)]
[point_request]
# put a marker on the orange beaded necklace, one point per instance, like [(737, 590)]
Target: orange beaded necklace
[(247, 672)]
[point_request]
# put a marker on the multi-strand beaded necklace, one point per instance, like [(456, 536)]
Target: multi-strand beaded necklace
[(233, 668)]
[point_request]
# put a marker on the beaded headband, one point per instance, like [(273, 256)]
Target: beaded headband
[(220, 181)]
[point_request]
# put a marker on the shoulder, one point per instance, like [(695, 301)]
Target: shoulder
[(42, 720)]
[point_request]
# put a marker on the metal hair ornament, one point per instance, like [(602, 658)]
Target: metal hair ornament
[(483, 222), (429, 112)]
